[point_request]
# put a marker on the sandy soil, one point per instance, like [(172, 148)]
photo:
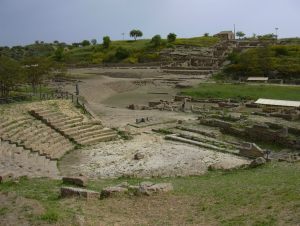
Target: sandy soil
[(108, 92)]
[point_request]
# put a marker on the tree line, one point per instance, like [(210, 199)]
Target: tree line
[(32, 71)]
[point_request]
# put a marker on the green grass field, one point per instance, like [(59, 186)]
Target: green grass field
[(244, 91), (263, 196)]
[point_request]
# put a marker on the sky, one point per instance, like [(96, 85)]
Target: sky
[(25, 21)]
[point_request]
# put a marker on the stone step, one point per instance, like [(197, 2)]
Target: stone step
[(69, 126), (87, 128), (33, 134), (17, 129), (8, 122), (93, 133), (14, 125), (45, 133), (59, 153), (98, 139), (34, 129), (200, 144), (68, 121), (82, 126)]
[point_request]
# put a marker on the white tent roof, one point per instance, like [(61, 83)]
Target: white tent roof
[(283, 103), (258, 79)]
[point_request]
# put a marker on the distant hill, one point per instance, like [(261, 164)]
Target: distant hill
[(127, 51)]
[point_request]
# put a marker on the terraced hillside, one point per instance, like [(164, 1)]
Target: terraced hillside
[(77, 128), (34, 135), (31, 141)]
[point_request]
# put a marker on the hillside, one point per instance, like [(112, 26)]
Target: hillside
[(275, 62), (127, 51)]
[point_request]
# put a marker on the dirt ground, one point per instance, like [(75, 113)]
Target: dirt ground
[(14, 209), (108, 93)]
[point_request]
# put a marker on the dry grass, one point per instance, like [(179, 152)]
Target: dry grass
[(262, 196)]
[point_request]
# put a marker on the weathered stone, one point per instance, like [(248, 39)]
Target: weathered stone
[(154, 103), (156, 188), (123, 185), (146, 184), (257, 162), (112, 191), (5, 177), (138, 156), (251, 150), (79, 181), (78, 192)]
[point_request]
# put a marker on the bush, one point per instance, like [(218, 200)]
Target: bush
[(85, 43), (106, 42), (156, 40), (122, 53), (172, 37)]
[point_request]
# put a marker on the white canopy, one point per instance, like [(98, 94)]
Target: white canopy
[(283, 103)]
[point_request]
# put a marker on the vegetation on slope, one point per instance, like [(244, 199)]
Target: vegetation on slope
[(280, 61), (264, 196), (137, 51), (244, 91)]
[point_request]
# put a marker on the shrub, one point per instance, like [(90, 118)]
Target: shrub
[(106, 42), (156, 40), (172, 37), (122, 53), (85, 43)]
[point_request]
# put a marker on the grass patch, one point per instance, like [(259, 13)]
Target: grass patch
[(267, 195), (244, 91), (197, 41)]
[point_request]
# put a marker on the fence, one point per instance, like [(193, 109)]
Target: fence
[(13, 99)]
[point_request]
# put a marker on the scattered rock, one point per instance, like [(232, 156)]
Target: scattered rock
[(123, 185), (112, 191), (146, 184), (156, 188), (138, 156), (79, 181), (218, 166), (251, 150), (66, 192), (5, 177), (144, 188), (258, 162)]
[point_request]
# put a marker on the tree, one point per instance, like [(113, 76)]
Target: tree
[(36, 70), (85, 43), (156, 40), (94, 41), (10, 75), (240, 34), (135, 33), (172, 37), (206, 34), (267, 37), (106, 42)]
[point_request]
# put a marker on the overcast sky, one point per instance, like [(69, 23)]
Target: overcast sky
[(24, 21)]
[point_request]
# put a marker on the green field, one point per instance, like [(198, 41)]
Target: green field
[(263, 196), (244, 91), (197, 41)]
